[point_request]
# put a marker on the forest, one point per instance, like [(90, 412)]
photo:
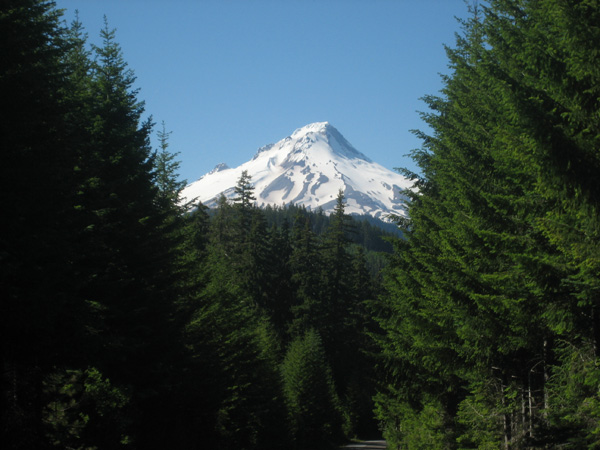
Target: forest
[(129, 320)]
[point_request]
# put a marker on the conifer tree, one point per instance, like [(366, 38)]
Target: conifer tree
[(243, 203), (166, 170), (310, 394), (481, 290), (236, 393), (279, 289), (306, 267), (128, 262), (552, 91), (40, 312), (337, 266)]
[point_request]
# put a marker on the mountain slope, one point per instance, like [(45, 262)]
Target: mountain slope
[(309, 168)]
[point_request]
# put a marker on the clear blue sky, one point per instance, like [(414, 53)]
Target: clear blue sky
[(230, 76)]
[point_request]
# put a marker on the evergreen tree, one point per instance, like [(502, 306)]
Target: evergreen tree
[(40, 312), (249, 253), (236, 394), (360, 349), (306, 266), (551, 92), (279, 289), (337, 266), (221, 225), (243, 203), (482, 289), (128, 261), (336, 312), (166, 167), (310, 394), (232, 389)]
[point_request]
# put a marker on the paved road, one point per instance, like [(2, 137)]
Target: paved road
[(367, 445)]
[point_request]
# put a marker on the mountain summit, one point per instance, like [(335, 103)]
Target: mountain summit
[(308, 168)]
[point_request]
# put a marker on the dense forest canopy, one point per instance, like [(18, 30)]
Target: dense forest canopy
[(130, 321)]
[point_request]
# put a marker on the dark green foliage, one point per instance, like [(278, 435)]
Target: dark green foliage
[(279, 292), (40, 314), (232, 397), (130, 321), (491, 276), (338, 305), (310, 394), (372, 234), (86, 260), (574, 403), (166, 167), (128, 259), (306, 266), (280, 275), (85, 410)]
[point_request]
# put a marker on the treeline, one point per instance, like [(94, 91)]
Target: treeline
[(492, 312), (128, 321), (372, 234)]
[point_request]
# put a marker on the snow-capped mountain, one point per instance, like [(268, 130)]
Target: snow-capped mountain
[(309, 168)]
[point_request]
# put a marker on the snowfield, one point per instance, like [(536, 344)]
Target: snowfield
[(308, 168)]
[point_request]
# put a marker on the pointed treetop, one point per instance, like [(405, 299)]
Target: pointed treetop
[(244, 191)]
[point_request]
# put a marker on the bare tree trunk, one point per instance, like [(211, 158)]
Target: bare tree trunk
[(523, 412), (530, 397), (531, 390), (595, 330), (506, 431), (506, 422)]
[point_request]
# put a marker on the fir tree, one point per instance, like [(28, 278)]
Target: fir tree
[(482, 288), (129, 261), (310, 394), (41, 314), (166, 167), (306, 266)]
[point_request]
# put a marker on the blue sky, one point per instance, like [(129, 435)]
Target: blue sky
[(230, 76)]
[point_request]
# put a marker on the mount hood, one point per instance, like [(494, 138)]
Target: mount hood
[(308, 168)]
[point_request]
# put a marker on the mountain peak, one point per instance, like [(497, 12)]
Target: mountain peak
[(308, 168), (324, 131), (219, 167), (316, 127)]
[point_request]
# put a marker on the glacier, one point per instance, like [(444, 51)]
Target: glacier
[(308, 168)]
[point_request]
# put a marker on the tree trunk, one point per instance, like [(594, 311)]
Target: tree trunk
[(506, 419), (524, 430), (530, 397), (546, 377), (595, 329)]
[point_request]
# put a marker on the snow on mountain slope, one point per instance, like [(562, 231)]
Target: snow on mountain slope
[(309, 168)]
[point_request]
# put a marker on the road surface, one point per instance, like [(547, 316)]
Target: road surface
[(367, 445)]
